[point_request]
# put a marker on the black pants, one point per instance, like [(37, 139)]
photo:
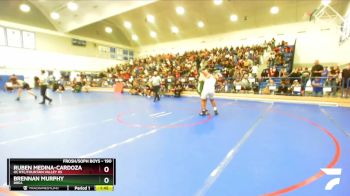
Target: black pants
[(156, 92), (43, 89)]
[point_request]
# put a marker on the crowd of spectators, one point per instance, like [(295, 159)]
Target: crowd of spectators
[(318, 80), (236, 70), (234, 67)]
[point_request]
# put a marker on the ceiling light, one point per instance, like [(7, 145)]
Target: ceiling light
[(200, 24), (24, 8), (108, 30), (72, 6), (134, 37), (150, 18), (55, 15), (153, 34), (217, 2), (274, 10), (234, 17), (127, 24), (174, 29), (180, 10), (326, 2)]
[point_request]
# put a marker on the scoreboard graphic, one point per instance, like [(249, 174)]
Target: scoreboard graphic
[(68, 174)]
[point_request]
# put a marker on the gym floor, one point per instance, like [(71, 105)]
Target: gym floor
[(166, 148)]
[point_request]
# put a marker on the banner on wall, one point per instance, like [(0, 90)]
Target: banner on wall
[(28, 39), (14, 38)]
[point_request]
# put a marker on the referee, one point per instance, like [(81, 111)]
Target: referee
[(156, 80), (43, 81)]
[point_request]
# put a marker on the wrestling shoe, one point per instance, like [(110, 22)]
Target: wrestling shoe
[(204, 113), (216, 112)]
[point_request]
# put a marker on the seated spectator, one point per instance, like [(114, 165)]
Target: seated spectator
[(171, 91), (327, 87), (86, 87), (228, 86), (178, 89), (255, 87), (317, 87), (264, 75), (237, 85), (296, 88), (147, 91), (60, 88), (283, 89), (255, 69), (245, 84), (162, 90), (271, 86), (273, 72), (76, 88)]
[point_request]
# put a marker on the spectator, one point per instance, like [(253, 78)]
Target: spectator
[(86, 87), (295, 75), (305, 76), (317, 87), (271, 86), (325, 72), (317, 69), (255, 70), (60, 88), (283, 89), (178, 89), (346, 75), (332, 77), (273, 72), (246, 87), (296, 88)]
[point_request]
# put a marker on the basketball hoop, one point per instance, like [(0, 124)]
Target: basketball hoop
[(326, 16)]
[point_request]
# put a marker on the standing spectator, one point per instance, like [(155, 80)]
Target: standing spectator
[(317, 69), (332, 77), (295, 75), (346, 76), (305, 76), (325, 72)]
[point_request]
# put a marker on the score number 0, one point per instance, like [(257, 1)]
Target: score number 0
[(106, 179)]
